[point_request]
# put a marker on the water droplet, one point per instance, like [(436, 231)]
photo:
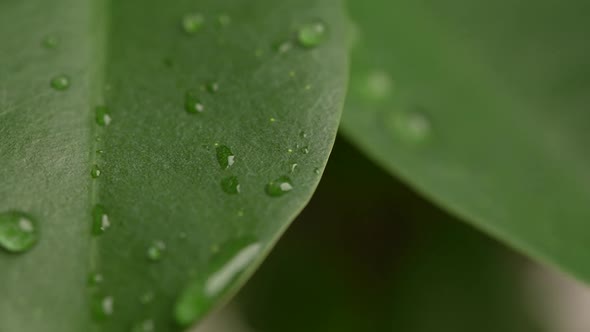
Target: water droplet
[(146, 298), (223, 20), (230, 185), (279, 187), (145, 326), (378, 85), (100, 151), (213, 87), (303, 134), (307, 87), (293, 167), (192, 103), (283, 47), (412, 126), (292, 73), (103, 116), (102, 307), (18, 231), (95, 171), (100, 220), (311, 34), (289, 150), (225, 157), (192, 23), (156, 250), (50, 42), (94, 279), (305, 149), (60, 83), (317, 171), (229, 264), (272, 120)]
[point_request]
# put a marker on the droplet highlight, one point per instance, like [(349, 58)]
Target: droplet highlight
[(225, 156), (156, 251), (95, 171), (411, 126), (60, 83), (312, 34), (18, 231), (103, 116), (230, 185), (192, 103), (100, 220), (279, 187)]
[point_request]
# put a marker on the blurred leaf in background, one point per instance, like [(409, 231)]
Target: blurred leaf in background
[(482, 106)]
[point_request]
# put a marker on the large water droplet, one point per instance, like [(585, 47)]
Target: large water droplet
[(192, 23), (156, 250), (18, 231), (60, 83), (102, 307), (225, 157), (95, 171), (412, 126), (192, 102), (100, 220), (50, 42), (312, 34), (231, 261), (279, 187), (231, 185), (103, 116)]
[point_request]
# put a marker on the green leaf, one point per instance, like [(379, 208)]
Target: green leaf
[(409, 267), (482, 107), (136, 220)]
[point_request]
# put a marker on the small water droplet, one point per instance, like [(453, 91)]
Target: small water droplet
[(100, 151), (317, 171), (18, 231), (412, 126), (279, 187), (103, 116), (292, 73), (240, 213), (378, 85), (94, 279), (229, 264), (303, 134), (293, 167), (305, 149), (213, 87), (307, 87), (289, 150), (192, 23), (60, 82), (146, 298), (156, 250), (95, 171), (192, 103), (100, 220), (225, 157), (231, 185), (312, 34), (50, 42), (102, 307), (145, 326), (272, 120), (223, 19), (283, 47)]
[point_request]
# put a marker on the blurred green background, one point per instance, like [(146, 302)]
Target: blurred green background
[(369, 254)]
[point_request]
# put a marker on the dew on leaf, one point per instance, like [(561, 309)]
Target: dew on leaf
[(145, 326), (283, 46), (312, 34), (156, 250), (279, 187), (192, 102), (50, 42), (102, 307), (378, 85), (18, 231), (230, 185), (305, 150), (100, 220), (412, 126), (94, 279), (293, 167), (212, 87), (192, 22), (231, 261), (317, 171), (103, 116), (225, 157), (302, 134), (95, 171), (60, 82), (223, 20)]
